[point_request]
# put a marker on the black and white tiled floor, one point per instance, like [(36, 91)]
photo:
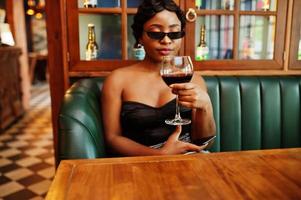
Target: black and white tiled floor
[(26, 151)]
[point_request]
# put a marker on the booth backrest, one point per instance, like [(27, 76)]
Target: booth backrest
[(80, 128), (255, 112), (250, 113)]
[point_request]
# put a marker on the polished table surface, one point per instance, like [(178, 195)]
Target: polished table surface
[(262, 174)]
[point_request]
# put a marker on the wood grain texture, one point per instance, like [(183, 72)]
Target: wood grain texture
[(264, 174)]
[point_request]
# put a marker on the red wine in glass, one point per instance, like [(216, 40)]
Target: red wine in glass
[(176, 78), (176, 69)]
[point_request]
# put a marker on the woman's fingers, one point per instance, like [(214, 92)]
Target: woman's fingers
[(182, 86), (187, 98), (175, 146), (193, 147)]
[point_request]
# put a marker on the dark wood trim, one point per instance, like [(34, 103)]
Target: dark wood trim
[(259, 13), (124, 34), (294, 63), (131, 11), (232, 12), (280, 31), (104, 65), (73, 33), (239, 72), (100, 10), (57, 60), (237, 65), (236, 30), (189, 39), (109, 65)]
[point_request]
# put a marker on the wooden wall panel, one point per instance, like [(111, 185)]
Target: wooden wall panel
[(57, 58)]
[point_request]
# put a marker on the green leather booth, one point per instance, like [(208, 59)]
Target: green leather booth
[(250, 113)]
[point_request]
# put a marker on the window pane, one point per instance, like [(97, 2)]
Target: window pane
[(256, 37), (108, 3), (108, 35), (215, 4), (133, 3), (219, 35), (131, 38), (258, 5)]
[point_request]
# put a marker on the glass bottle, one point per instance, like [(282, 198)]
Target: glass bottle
[(263, 5), (266, 5), (90, 3), (248, 46), (138, 51), (91, 47), (202, 49), (228, 4), (198, 4)]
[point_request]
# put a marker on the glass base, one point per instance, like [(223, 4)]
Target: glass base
[(177, 121)]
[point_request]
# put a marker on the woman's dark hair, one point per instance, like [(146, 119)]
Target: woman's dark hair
[(150, 8)]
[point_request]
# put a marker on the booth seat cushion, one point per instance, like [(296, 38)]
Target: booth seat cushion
[(250, 113)]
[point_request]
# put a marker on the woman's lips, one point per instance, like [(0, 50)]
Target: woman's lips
[(164, 52)]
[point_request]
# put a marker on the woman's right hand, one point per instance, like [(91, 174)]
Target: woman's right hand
[(174, 146)]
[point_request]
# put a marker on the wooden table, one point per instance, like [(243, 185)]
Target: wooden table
[(265, 174)]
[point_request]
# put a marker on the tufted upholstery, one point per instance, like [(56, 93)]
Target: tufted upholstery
[(80, 128), (250, 113), (255, 112)]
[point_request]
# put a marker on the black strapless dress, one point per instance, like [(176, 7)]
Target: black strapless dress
[(145, 124)]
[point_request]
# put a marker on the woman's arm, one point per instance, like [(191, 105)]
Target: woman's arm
[(194, 95)]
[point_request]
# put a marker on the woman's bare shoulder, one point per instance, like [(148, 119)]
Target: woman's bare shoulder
[(120, 76)]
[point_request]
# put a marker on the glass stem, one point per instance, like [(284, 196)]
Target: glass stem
[(177, 116)]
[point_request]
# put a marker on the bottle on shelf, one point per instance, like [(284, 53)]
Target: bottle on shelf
[(91, 47), (198, 4), (266, 5), (90, 3), (138, 51), (228, 5), (202, 50), (248, 46), (263, 5)]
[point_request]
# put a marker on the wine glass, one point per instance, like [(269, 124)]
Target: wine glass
[(176, 69)]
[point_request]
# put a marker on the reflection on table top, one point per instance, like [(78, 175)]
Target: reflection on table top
[(263, 174)]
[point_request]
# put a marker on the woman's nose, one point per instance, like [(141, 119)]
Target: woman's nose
[(166, 39)]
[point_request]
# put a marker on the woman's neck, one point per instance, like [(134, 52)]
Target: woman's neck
[(150, 65)]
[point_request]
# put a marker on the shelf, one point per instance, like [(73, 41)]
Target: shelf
[(232, 12), (100, 10), (226, 29), (106, 10)]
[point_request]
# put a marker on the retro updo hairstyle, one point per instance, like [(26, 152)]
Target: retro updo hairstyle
[(150, 8)]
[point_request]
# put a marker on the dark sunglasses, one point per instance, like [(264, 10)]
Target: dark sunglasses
[(161, 35)]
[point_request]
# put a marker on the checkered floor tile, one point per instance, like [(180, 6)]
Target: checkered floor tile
[(26, 151)]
